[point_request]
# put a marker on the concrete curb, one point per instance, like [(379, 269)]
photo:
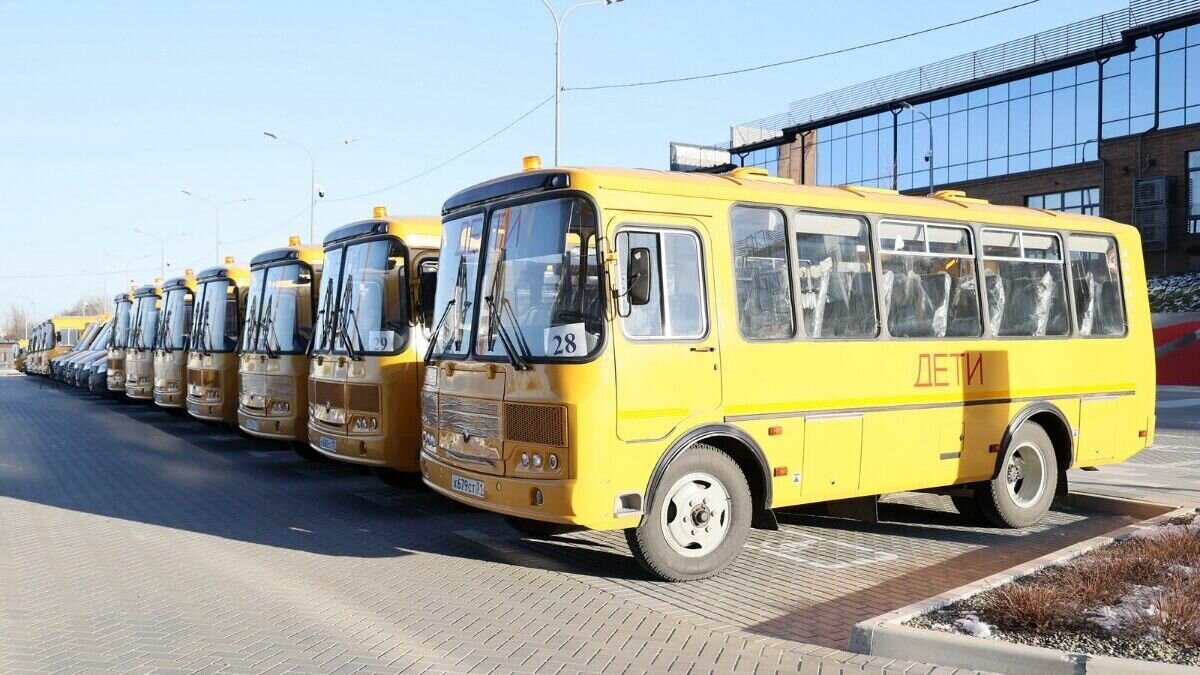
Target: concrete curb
[(886, 636)]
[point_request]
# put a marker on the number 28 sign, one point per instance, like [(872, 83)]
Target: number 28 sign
[(566, 341)]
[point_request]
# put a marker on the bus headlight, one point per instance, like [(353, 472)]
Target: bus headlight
[(552, 462), (537, 461), (212, 395), (364, 424), (172, 386), (428, 442), (524, 459), (280, 407)]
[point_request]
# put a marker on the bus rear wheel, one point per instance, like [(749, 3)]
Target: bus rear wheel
[(698, 517), (1024, 488)]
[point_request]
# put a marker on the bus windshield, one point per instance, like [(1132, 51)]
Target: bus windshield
[(214, 317), (145, 322), (367, 299), (121, 324), (540, 290), (279, 316), (101, 342), (176, 319)]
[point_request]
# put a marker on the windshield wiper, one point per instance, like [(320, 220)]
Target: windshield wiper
[(518, 360), (437, 331), (344, 317), (268, 321), (201, 332), (326, 317)]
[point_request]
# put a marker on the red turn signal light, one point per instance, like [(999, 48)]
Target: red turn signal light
[(780, 471)]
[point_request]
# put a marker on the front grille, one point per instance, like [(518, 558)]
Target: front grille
[(542, 424), (470, 417), (324, 393), (364, 398), (429, 409), (270, 386)]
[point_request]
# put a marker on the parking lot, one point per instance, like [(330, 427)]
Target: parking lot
[(134, 539)]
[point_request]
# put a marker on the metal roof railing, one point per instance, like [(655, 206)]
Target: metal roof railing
[(1056, 44)]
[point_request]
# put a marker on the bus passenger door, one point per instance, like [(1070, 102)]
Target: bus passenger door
[(665, 342)]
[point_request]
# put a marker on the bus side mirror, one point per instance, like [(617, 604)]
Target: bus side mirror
[(637, 276), (427, 291)]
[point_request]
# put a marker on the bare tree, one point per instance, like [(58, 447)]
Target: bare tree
[(16, 322)]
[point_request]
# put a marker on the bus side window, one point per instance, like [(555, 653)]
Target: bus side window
[(837, 290), (676, 306), (1026, 287), (929, 287), (1096, 277), (761, 273)]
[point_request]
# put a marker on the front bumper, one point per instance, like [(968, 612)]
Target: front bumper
[(265, 426), (169, 399), (209, 412), (358, 449), (515, 496), (142, 392)]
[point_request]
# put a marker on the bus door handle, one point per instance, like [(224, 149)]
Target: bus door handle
[(702, 349)]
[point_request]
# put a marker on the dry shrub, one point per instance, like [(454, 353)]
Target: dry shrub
[(1176, 618), (1030, 606), (1094, 581)]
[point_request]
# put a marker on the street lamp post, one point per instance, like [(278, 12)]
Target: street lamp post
[(217, 212), (162, 248), (558, 24), (929, 153), (312, 177)]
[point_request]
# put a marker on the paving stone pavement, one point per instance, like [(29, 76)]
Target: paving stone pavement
[(135, 540)]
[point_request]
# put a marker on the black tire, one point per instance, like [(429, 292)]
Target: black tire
[(650, 541), (537, 529), (968, 507), (1003, 506), (306, 451), (397, 479)]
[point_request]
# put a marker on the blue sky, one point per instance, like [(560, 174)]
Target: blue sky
[(110, 109)]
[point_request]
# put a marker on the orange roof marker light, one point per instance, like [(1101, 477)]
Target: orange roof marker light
[(380, 212), (531, 162), (228, 260), (294, 240)]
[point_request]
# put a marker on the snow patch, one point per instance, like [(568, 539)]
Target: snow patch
[(971, 625)]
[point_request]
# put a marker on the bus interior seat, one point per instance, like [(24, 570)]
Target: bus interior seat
[(997, 301)]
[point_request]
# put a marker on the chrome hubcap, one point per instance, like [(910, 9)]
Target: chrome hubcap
[(1026, 474), (696, 515)]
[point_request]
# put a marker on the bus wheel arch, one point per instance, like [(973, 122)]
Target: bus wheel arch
[(1054, 423), (743, 450)]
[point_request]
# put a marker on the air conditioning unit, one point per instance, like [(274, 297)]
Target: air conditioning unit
[(1152, 209)]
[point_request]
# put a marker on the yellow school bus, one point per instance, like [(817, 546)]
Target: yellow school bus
[(139, 351), (37, 338), (674, 355), (57, 336), (122, 319), (170, 345), (281, 304), (368, 342), (212, 363)]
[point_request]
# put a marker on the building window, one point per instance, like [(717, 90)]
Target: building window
[(1193, 158), (766, 158), (1083, 200)]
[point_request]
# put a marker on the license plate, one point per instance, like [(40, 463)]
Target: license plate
[(327, 443), (193, 407), (467, 486), (252, 425)]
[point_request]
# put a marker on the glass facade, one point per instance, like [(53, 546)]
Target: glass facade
[(1048, 120), (767, 158), (1083, 200), (1193, 160)]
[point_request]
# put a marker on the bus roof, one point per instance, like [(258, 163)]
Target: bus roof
[(148, 289), (240, 275), (308, 253), (755, 186), (416, 231)]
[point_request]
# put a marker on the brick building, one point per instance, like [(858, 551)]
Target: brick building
[(1101, 116)]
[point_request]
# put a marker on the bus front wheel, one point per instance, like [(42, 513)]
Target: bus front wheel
[(1024, 488), (698, 517)]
